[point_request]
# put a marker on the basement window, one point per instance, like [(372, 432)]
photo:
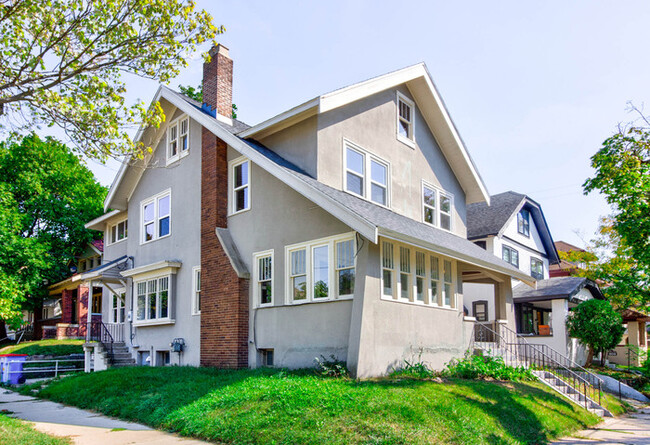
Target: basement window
[(267, 357)]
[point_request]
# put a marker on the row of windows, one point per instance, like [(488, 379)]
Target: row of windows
[(411, 275), (511, 256), (317, 271)]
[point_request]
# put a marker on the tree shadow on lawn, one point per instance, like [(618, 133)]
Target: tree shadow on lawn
[(517, 420)]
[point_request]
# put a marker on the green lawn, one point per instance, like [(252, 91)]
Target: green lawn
[(17, 432), (46, 347), (273, 406)]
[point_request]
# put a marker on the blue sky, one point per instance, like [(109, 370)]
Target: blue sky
[(533, 87)]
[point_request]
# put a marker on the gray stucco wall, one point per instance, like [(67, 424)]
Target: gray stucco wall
[(280, 216), (184, 179), (371, 124), (390, 332), (297, 144)]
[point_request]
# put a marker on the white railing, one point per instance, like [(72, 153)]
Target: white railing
[(56, 368)]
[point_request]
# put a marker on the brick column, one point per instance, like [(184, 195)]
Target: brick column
[(224, 296), (66, 306)]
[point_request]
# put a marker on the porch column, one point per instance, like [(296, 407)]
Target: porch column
[(559, 314), (504, 309), (643, 341), (633, 333)]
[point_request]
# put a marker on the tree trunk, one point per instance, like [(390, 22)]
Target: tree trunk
[(590, 357), (3, 330)]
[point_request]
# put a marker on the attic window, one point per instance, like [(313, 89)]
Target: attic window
[(405, 131), (366, 175), (523, 222), (437, 207), (178, 139)]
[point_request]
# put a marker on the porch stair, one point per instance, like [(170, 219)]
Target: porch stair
[(121, 356), (556, 371), (556, 383)]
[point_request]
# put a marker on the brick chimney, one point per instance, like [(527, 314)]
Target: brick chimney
[(224, 295), (217, 81)]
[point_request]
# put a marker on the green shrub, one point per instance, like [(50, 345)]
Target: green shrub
[(480, 367), (414, 370), (332, 367)]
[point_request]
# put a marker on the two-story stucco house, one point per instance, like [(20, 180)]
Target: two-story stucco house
[(338, 227), (513, 227)]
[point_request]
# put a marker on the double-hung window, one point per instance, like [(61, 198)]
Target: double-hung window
[(405, 273), (388, 269), (240, 185), (153, 299), (366, 175), (178, 134), (436, 207), (196, 290), (119, 231), (537, 268), (523, 222), (405, 127), (117, 307), (510, 255), (321, 270), (264, 278), (414, 276), (156, 217)]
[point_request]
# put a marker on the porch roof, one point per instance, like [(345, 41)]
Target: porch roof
[(555, 288), (632, 315), (109, 272)]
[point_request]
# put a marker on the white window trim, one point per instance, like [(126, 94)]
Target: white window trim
[(109, 230), (231, 185), (410, 103), (179, 153), (429, 300), (333, 281), (159, 320), (117, 293), (195, 294), (367, 179), (439, 192), (256, 293), (155, 199)]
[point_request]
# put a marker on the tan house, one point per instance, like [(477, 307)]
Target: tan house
[(337, 228)]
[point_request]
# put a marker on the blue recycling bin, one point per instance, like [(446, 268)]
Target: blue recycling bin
[(11, 368)]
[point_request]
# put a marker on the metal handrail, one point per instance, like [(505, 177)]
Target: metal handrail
[(539, 356), (100, 333)]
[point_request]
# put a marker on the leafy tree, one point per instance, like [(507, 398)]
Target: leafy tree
[(597, 325), (197, 95), (623, 176), (62, 62), (46, 197)]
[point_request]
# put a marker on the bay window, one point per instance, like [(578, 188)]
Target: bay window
[(321, 270), (152, 299)]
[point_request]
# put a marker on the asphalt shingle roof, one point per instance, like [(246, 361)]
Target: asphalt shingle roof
[(387, 219), (484, 220), (559, 287)]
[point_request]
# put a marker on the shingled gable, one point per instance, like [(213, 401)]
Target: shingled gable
[(491, 220), (420, 84)]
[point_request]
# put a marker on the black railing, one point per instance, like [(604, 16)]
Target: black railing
[(97, 331), (516, 351)]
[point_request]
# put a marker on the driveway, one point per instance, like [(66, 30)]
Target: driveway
[(631, 429), (84, 427)]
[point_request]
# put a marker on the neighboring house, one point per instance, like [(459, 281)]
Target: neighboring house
[(65, 312), (565, 268), (513, 228), (337, 228)]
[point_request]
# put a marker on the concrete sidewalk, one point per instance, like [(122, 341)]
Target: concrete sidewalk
[(84, 427), (631, 429)]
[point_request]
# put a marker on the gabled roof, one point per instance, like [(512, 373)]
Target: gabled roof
[(369, 219), (485, 220), (555, 288), (563, 246), (430, 103)]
